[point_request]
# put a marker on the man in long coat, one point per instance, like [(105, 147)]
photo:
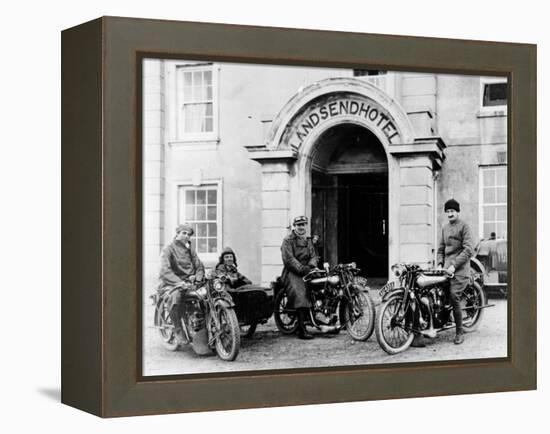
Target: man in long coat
[(178, 262), (456, 247), (299, 258)]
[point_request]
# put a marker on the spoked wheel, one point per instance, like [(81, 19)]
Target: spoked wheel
[(392, 332), (472, 298), (228, 339), (247, 330), (165, 328), (358, 316), (286, 321)]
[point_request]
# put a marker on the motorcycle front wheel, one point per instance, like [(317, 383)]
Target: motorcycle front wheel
[(358, 316), (472, 298), (285, 321), (165, 328), (391, 332), (228, 339)]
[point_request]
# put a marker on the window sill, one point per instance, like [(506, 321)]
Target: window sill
[(492, 112), (198, 145)]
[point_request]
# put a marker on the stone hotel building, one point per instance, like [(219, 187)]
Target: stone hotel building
[(237, 150)]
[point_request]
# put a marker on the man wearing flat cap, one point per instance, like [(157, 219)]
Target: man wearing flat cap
[(299, 258), (456, 247), (178, 263)]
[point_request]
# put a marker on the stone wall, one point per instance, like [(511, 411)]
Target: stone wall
[(153, 170)]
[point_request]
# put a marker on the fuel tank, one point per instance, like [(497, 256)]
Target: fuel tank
[(424, 281), (332, 280)]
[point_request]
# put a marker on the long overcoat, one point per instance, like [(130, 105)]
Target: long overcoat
[(299, 257), (178, 261), (456, 247)]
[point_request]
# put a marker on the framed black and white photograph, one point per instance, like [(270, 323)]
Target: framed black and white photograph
[(280, 217), (370, 160)]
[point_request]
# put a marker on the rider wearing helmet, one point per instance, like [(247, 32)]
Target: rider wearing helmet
[(227, 265)]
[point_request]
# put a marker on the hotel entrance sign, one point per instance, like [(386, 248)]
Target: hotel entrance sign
[(316, 115)]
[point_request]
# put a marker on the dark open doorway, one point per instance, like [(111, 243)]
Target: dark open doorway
[(363, 222), (350, 199)]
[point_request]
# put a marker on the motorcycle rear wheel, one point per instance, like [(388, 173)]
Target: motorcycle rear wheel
[(165, 328), (286, 322), (473, 296), (228, 342), (359, 328), (390, 333)]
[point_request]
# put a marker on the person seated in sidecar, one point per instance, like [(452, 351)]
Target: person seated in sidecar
[(227, 265), (179, 264)]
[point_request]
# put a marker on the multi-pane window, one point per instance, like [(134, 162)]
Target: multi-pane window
[(494, 94), (199, 206), (367, 72), (493, 201), (195, 100)]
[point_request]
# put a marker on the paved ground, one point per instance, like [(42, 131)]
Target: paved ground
[(269, 349)]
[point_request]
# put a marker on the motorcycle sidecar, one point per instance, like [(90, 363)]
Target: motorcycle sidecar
[(253, 305)]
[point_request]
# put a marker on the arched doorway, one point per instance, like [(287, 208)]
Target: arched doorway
[(300, 158), (349, 198)]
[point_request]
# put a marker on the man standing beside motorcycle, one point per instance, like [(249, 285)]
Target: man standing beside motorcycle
[(178, 262), (299, 258), (456, 247)]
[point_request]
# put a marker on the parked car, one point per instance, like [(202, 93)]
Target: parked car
[(491, 265)]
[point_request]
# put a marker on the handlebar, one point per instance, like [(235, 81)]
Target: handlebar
[(350, 266)]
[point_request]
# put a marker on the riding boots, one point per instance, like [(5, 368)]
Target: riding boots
[(302, 331), (418, 341), (176, 320)]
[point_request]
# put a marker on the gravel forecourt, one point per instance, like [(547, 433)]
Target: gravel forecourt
[(269, 349)]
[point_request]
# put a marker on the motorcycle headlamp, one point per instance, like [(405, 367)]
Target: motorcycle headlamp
[(397, 270), (218, 285)]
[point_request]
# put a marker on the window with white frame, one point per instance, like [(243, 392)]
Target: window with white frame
[(493, 201), (494, 93), (200, 207), (196, 103)]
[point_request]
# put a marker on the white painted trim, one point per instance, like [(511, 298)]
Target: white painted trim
[(480, 202), (494, 110), (171, 102), (481, 215), (174, 211)]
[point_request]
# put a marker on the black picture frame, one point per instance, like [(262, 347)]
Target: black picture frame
[(101, 191)]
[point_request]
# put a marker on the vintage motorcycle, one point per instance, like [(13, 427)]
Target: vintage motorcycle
[(209, 321), (339, 299), (419, 302)]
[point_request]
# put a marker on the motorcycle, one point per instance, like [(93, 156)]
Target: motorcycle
[(208, 317), (418, 302), (339, 299)]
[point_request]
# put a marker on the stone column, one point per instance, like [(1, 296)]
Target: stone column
[(418, 97), (416, 241), (153, 170), (275, 217), (276, 167)]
